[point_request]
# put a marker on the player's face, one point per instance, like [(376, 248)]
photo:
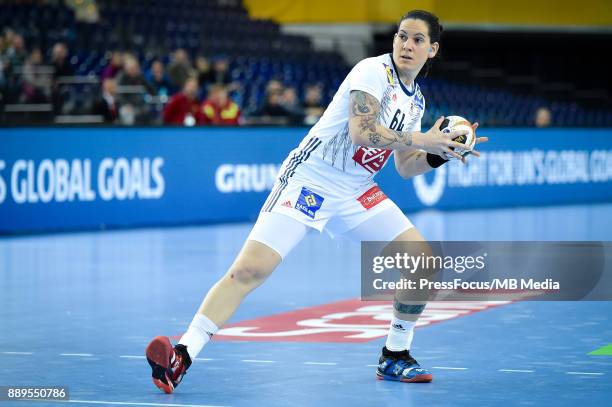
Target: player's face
[(412, 46)]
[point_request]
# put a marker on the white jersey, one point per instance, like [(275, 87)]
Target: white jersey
[(327, 154)]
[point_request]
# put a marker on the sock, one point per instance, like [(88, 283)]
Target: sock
[(198, 334), (400, 334)]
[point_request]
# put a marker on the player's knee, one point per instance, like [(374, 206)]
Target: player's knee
[(247, 276)]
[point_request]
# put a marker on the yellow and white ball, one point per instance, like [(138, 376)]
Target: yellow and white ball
[(452, 123)]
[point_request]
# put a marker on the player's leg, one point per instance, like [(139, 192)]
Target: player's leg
[(407, 308), (255, 262), (263, 251), (389, 224)]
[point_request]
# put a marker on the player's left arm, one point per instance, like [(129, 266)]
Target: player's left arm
[(412, 163)]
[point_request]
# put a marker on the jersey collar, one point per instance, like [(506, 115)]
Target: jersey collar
[(404, 87)]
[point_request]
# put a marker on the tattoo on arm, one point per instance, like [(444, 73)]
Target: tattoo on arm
[(374, 138), (365, 109), (402, 138), (368, 123), (360, 104), (389, 138)]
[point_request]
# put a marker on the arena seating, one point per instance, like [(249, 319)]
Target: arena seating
[(257, 51)]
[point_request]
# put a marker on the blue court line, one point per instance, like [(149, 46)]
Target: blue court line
[(127, 403), (321, 363)]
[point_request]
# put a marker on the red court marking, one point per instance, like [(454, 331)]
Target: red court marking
[(344, 321)]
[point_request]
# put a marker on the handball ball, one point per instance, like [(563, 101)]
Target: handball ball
[(452, 123)]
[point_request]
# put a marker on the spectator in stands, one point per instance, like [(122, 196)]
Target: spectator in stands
[(132, 92), (274, 86), (204, 71), (131, 75), (157, 78), (184, 107), (290, 102), (6, 40), (313, 108), (15, 54), (59, 60), (221, 74), (107, 106), (543, 117), (272, 110), (179, 69), (13, 58), (61, 67), (218, 108), (114, 66), (34, 79), (2, 68), (10, 85)]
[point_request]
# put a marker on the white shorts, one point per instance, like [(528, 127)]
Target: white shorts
[(294, 206)]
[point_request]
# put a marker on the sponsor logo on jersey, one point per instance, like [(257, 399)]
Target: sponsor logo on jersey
[(372, 197), (389, 72), (309, 202), (287, 204), (372, 159), (343, 321), (415, 110), (419, 100)]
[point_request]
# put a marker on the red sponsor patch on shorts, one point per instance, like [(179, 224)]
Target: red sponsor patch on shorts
[(343, 321), (372, 197), (372, 159)]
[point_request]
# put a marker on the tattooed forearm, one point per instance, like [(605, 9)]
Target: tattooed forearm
[(363, 119), (374, 138), (389, 138), (400, 137)]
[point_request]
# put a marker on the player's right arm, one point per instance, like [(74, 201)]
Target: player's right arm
[(365, 130)]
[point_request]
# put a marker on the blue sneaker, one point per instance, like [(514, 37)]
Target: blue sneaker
[(401, 367)]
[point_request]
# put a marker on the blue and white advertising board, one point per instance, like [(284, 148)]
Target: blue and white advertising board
[(88, 178)]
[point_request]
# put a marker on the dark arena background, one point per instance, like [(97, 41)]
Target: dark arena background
[(139, 139)]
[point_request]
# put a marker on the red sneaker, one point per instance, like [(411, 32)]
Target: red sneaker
[(169, 364)]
